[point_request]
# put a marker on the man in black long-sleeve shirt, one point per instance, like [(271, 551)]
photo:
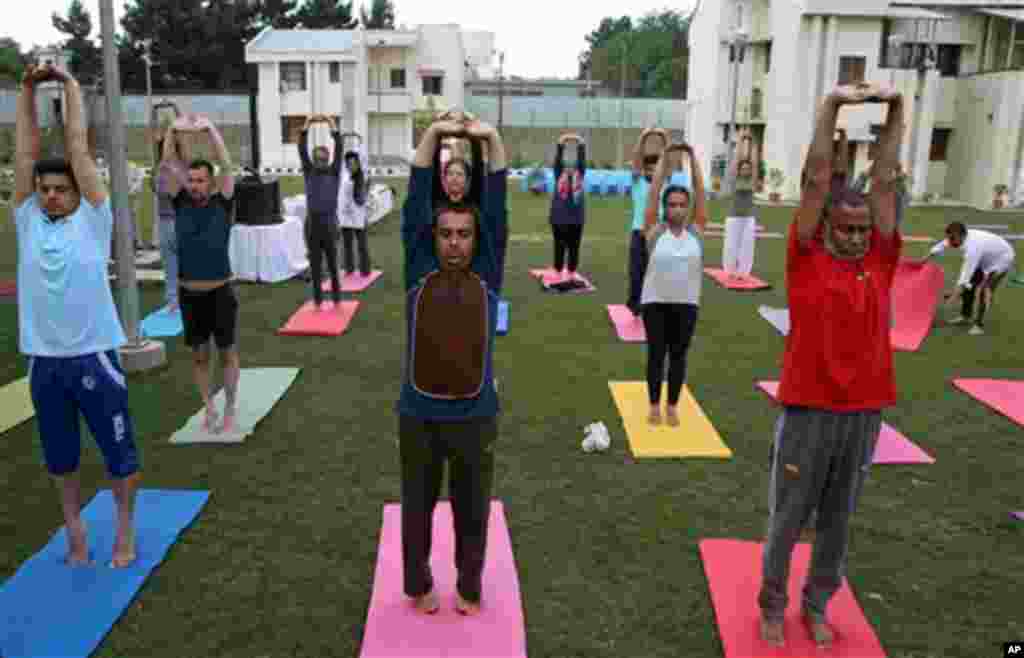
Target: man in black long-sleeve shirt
[(322, 176)]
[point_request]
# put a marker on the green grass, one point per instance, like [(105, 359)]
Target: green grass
[(281, 561)]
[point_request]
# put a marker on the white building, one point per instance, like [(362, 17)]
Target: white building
[(960, 68), (370, 80)]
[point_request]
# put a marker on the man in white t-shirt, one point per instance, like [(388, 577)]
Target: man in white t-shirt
[(987, 260)]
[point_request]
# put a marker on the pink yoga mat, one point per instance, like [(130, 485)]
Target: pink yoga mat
[(752, 283), (549, 276), (1003, 395), (355, 282), (891, 448), (733, 570), (630, 329), (395, 630), (1017, 515), (8, 288), (310, 321), (916, 293)]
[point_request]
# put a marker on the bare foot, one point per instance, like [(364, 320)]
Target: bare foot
[(78, 545), (464, 607), (654, 417), (820, 632), (210, 420), (672, 416), (771, 632), (428, 603), (124, 549), (229, 420)]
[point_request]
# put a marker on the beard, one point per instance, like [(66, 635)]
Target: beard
[(839, 251)]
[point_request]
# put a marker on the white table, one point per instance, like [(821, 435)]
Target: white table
[(272, 253), (380, 200)]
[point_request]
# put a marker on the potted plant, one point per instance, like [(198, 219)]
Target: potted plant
[(775, 180), (1000, 191)]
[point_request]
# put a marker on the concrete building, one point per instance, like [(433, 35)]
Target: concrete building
[(959, 66), (371, 80)]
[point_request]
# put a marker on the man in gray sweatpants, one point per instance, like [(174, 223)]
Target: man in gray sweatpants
[(837, 372)]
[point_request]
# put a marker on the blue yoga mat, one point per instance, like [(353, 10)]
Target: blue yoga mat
[(50, 609), (162, 322), (502, 317)]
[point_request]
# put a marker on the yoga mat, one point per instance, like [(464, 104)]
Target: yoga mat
[(752, 283), (918, 238), (51, 609), (395, 630), (990, 227), (1017, 515), (259, 389), (733, 570), (777, 317), (1002, 395), (916, 294), (15, 404), (891, 448), (8, 288), (712, 233), (310, 321), (549, 276), (354, 282), (162, 322), (694, 437), (630, 329), (502, 317)]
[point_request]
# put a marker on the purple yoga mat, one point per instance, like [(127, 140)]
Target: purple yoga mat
[(395, 630), (1017, 515), (892, 447)]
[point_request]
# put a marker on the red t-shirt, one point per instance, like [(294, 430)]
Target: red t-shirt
[(838, 352)]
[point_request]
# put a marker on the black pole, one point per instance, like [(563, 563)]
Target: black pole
[(254, 124)]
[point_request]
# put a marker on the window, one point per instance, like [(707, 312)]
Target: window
[(398, 78), (940, 141), (768, 57), (949, 60), (432, 85), (293, 76), (851, 70), (335, 72)]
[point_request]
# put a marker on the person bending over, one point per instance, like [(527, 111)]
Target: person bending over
[(209, 307), (448, 406), (67, 322), (837, 369), (672, 283), (988, 258)]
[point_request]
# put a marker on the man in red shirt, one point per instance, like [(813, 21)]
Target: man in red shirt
[(837, 371)]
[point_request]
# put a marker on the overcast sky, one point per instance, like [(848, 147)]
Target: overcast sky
[(539, 38)]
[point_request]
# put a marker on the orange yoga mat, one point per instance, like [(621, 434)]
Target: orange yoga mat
[(310, 321)]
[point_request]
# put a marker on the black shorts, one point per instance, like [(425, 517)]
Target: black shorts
[(212, 312)]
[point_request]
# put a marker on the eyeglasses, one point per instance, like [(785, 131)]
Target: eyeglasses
[(851, 229)]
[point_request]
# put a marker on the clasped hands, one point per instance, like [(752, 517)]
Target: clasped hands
[(456, 123)]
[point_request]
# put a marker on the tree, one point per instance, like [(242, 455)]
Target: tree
[(12, 60), (656, 54), (381, 16), (85, 59), (325, 14)]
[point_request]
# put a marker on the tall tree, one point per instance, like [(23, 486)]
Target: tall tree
[(381, 16), (12, 60), (85, 60), (325, 14), (607, 30)]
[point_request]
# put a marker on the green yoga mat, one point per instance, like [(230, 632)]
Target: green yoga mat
[(15, 404), (259, 389), (1018, 278)]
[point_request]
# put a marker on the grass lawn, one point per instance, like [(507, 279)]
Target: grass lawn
[(281, 561)]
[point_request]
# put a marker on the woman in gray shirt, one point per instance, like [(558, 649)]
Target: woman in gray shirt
[(741, 225)]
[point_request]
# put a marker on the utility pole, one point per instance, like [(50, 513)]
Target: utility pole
[(501, 89), (151, 129), (138, 354), (619, 155)]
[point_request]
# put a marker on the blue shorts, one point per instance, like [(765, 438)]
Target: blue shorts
[(94, 385)]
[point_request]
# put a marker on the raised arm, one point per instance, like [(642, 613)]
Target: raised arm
[(638, 150), (170, 166), (661, 172), (226, 179), (556, 166), (581, 156), (700, 214), (495, 149), (76, 141), (819, 170), (740, 151), (755, 159), (339, 147), (307, 165), (884, 183), (428, 143), (841, 157), (27, 140)]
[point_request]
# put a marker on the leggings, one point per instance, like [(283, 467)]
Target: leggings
[(321, 242), (347, 234), (567, 238), (669, 330)]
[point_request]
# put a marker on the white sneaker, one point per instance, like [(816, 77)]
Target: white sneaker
[(959, 320), (976, 331)]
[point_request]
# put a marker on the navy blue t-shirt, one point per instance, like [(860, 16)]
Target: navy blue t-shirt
[(203, 233)]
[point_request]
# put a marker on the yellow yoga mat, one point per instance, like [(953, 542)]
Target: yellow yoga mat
[(695, 436), (15, 404)]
